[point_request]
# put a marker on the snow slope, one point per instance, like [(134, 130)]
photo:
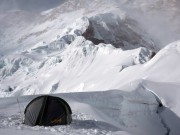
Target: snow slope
[(93, 113), (136, 109), (102, 60), (56, 45), (81, 62)]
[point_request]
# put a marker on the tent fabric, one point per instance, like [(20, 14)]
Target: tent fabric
[(47, 111)]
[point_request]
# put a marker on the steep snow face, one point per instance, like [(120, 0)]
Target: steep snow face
[(166, 58), (82, 62), (52, 64), (20, 36), (110, 112), (117, 30), (53, 44)]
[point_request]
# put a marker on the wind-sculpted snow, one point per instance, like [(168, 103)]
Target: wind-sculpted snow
[(71, 55), (23, 30), (72, 62), (10, 65), (98, 45), (110, 112), (159, 19)]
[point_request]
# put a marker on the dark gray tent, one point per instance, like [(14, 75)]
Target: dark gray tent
[(47, 111)]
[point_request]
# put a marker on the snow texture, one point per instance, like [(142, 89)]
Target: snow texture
[(109, 60)]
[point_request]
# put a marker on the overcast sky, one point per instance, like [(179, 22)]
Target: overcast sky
[(30, 5)]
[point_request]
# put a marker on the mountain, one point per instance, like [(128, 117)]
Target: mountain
[(113, 61)]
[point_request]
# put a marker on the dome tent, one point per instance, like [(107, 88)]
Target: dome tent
[(47, 111)]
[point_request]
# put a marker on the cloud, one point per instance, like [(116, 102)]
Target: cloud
[(29, 5), (159, 18)]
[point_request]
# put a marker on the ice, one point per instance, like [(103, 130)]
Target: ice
[(109, 60), (93, 113)]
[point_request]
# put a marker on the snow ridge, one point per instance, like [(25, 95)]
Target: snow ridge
[(107, 50)]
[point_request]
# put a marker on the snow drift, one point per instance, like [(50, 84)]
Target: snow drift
[(103, 58)]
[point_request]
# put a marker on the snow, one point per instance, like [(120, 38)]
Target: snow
[(75, 63), (93, 113), (100, 59)]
